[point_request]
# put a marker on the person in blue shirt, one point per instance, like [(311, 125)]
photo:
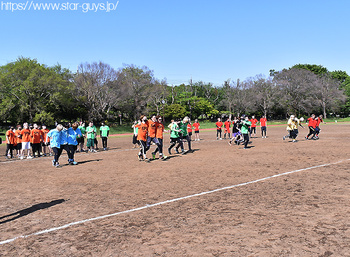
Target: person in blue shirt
[(73, 134), (55, 143)]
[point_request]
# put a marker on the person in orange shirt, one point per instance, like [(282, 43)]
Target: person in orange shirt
[(25, 133), (46, 142), (142, 137), (227, 126), (36, 139), (218, 129), (18, 140), (152, 132), (159, 136), (10, 141), (196, 127)]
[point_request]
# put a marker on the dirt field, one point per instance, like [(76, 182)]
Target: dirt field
[(304, 213)]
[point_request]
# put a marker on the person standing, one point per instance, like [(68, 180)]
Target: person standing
[(218, 129), (10, 141), (82, 139), (90, 136), (25, 133), (263, 122), (36, 139), (104, 133), (18, 140), (46, 142), (196, 127), (227, 126), (254, 121)]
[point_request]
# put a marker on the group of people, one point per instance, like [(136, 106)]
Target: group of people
[(147, 132), (237, 124), (313, 125), (42, 141)]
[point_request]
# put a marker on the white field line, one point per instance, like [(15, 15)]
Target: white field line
[(165, 202)]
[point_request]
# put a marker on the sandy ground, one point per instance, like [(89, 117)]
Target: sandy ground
[(304, 213)]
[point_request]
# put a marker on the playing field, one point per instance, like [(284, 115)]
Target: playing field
[(277, 198)]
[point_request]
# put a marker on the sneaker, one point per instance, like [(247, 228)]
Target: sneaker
[(29, 157), (21, 157), (74, 163), (230, 143), (94, 151), (284, 138), (147, 160), (220, 138), (57, 164), (153, 156), (104, 149), (140, 158), (53, 163), (177, 151)]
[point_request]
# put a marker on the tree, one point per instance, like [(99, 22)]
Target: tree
[(327, 93), (264, 94), (28, 88), (96, 89), (175, 111), (135, 83), (295, 88)]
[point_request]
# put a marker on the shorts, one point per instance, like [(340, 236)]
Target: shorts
[(196, 131), (90, 142), (19, 146), (25, 145)]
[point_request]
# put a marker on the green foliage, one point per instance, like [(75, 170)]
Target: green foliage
[(316, 69), (175, 111), (44, 118)]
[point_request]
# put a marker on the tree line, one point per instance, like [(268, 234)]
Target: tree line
[(34, 92)]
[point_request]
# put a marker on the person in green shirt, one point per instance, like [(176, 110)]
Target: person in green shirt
[(104, 133), (91, 135), (175, 137), (184, 134), (245, 130)]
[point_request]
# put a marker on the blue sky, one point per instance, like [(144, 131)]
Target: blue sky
[(210, 41)]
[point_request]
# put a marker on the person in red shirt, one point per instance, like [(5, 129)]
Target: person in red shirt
[(263, 122), (227, 126), (189, 130), (142, 137), (36, 139), (10, 141), (312, 122), (254, 121), (196, 127), (318, 119), (25, 134), (218, 129), (159, 136)]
